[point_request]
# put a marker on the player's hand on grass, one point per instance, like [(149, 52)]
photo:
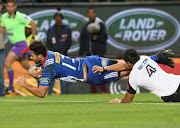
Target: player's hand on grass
[(114, 101), (21, 81), (35, 72), (97, 69)]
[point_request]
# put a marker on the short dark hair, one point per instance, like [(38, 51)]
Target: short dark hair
[(11, 1), (38, 47), (90, 9), (131, 56), (58, 13)]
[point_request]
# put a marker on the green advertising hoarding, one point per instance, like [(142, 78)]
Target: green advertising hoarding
[(145, 27)]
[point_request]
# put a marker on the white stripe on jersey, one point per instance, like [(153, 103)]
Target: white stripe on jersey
[(110, 75), (73, 60), (69, 66), (48, 62), (79, 64), (71, 79), (62, 56)]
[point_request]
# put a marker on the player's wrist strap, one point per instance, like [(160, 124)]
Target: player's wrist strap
[(104, 69)]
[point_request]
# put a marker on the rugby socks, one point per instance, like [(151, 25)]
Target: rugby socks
[(11, 77), (153, 57)]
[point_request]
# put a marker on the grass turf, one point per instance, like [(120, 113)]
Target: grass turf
[(62, 111)]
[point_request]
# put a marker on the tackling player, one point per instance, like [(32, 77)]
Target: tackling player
[(146, 73)]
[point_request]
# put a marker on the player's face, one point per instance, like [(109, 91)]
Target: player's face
[(91, 14), (11, 8), (35, 58)]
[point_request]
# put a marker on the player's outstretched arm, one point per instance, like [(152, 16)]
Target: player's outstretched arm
[(38, 91), (120, 66), (124, 73)]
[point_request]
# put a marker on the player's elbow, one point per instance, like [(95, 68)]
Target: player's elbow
[(41, 96)]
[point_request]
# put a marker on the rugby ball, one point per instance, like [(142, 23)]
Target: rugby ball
[(93, 28), (38, 79), (39, 69)]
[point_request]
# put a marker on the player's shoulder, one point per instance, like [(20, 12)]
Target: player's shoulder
[(50, 54), (53, 55), (49, 60), (141, 59), (19, 13), (144, 57)]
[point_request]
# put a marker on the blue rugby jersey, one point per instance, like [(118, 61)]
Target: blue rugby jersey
[(68, 69), (57, 65), (96, 79)]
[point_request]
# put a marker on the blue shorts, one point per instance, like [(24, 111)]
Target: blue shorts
[(96, 79)]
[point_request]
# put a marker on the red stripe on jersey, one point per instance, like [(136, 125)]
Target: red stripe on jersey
[(44, 60), (128, 83)]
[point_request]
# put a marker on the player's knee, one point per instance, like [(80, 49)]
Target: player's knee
[(7, 64)]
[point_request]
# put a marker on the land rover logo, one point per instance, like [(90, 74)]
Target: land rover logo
[(74, 20), (145, 29)]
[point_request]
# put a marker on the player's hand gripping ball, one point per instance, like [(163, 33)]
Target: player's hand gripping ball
[(34, 71), (38, 78)]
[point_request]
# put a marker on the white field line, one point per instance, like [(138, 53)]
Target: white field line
[(51, 101), (157, 103), (83, 102)]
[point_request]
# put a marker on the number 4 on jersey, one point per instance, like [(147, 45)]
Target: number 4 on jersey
[(150, 70)]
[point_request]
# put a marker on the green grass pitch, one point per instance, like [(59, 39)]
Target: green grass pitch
[(88, 111)]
